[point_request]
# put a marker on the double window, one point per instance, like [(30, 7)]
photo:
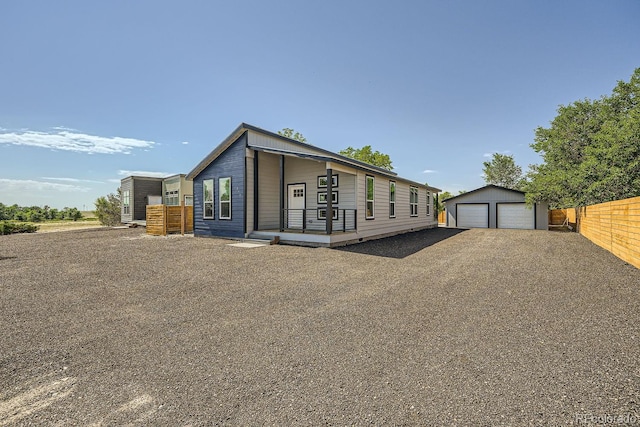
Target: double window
[(224, 198), (126, 207), (224, 188), (370, 191), (413, 201), (392, 199)]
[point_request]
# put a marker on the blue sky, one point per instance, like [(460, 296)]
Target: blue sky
[(93, 91)]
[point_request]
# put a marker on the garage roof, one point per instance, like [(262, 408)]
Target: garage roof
[(483, 188)]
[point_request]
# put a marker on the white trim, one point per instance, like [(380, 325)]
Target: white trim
[(413, 201), (392, 202), (206, 202), (366, 196), (220, 201)]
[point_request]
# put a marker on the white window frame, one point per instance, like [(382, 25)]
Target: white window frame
[(428, 203), (366, 197), (206, 202), (413, 201), (392, 199), (126, 202), (220, 201)]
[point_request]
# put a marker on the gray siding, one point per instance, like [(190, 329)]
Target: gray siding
[(382, 224), (493, 196), (126, 185), (265, 141), (230, 163), (250, 190), (268, 191)]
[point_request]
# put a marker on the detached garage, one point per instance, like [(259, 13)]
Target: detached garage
[(495, 207)]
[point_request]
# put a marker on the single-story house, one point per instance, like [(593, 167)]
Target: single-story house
[(492, 206), (136, 192), (258, 184)]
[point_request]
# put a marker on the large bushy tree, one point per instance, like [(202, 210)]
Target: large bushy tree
[(591, 151), (108, 209), (503, 171)]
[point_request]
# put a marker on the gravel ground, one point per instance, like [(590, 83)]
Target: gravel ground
[(481, 327)]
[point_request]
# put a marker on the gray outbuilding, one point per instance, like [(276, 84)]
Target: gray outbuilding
[(495, 207)]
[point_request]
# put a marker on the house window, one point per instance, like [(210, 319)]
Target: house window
[(322, 181), (207, 197), (322, 197), (322, 213), (126, 207), (392, 199), (413, 201), (369, 190), (224, 189), (428, 203), (171, 198)]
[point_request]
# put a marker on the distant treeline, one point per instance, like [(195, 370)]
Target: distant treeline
[(37, 213)]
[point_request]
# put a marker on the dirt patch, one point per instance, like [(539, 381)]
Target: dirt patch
[(50, 227)]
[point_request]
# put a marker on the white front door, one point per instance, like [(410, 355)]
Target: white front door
[(295, 205)]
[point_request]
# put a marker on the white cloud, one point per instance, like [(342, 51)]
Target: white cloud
[(49, 178), (491, 153), (144, 173), (185, 142), (66, 140), (32, 185), (429, 171)]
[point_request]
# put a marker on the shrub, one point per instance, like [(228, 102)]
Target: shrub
[(10, 227)]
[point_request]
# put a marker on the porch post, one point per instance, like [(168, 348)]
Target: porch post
[(255, 190), (281, 193), (329, 219)]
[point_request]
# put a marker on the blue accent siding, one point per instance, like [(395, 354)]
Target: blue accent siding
[(229, 164)]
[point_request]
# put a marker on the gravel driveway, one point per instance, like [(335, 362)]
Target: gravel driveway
[(481, 327)]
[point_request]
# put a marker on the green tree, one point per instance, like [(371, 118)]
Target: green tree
[(591, 151), (367, 155), (292, 134), (503, 171), (441, 197), (108, 209)]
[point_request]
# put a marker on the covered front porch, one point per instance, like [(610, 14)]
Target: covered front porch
[(299, 197)]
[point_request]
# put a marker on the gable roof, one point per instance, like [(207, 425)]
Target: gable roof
[(319, 154), (483, 188)]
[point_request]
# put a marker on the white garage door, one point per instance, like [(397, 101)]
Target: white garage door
[(474, 215), (515, 215)]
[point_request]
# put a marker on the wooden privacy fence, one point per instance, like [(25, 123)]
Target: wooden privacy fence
[(163, 219), (614, 226), (559, 216), (442, 217)]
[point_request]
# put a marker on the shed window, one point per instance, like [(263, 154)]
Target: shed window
[(126, 202), (370, 184), (207, 197), (413, 201), (171, 198), (224, 189), (392, 199)]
